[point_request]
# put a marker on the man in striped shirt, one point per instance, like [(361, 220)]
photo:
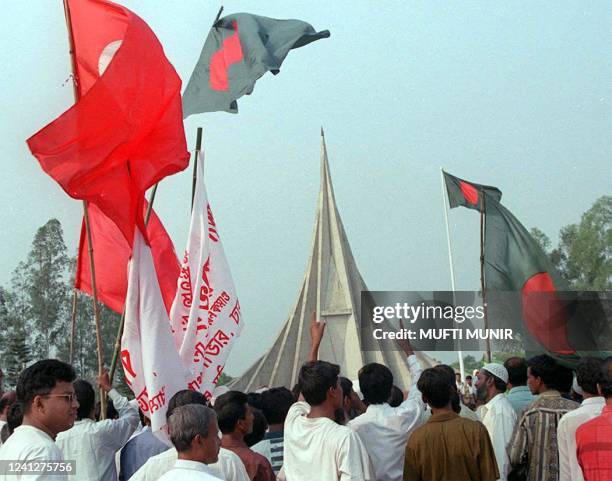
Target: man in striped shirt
[(275, 404), (534, 441)]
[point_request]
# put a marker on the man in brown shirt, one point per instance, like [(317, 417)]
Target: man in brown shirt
[(447, 447), (235, 418)]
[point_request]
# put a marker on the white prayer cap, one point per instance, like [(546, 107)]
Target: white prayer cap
[(356, 388), (577, 389), (497, 370)]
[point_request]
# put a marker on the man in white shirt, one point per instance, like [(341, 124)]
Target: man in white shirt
[(497, 413), (383, 429), (46, 393), (194, 433), (588, 375), (315, 447), (229, 466), (92, 444)]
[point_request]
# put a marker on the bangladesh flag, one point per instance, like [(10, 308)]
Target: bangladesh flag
[(239, 49), (524, 291), (468, 194)]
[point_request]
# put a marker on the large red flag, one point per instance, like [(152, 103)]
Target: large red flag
[(111, 256), (98, 29), (125, 133)]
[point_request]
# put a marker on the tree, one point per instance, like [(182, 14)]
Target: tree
[(584, 254), (585, 249), (46, 278)]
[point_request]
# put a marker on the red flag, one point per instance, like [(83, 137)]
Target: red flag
[(111, 256), (126, 132)]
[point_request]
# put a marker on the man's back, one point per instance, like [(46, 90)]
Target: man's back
[(449, 447), (94, 444), (593, 446), (318, 448), (520, 397), (228, 466), (534, 440), (138, 450)]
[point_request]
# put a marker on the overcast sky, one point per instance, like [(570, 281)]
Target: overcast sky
[(511, 94)]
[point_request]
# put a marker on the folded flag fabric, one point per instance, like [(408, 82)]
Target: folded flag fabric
[(239, 49)]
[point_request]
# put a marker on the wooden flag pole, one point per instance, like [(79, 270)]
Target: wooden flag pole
[(451, 264), (73, 324), (88, 231), (482, 273), (113, 366), (196, 155)]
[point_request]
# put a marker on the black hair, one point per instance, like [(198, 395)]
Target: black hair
[(254, 400), (14, 418), (500, 385), (184, 397), (396, 398), (40, 378), (433, 384), (347, 386), (605, 382), (469, 376), (275, 404), (296, 390), (111, 412), (588, 374), (449, 373), (517, 370), (7, 399), (546, 368), (86, 396), (230, 407), (565, 379), (315, 379), (375, 382), (260, 426)]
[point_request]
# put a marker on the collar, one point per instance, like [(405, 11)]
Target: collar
[(550, 393), (594, 401), (442, 417), (495, 399), (519, 389), (84, 421), (191, 465)]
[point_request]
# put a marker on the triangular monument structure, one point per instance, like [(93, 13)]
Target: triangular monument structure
[(332, 287)]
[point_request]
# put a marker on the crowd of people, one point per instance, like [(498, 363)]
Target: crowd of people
[(529, 419)]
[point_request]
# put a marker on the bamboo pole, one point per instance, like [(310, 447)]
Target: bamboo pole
[(482, 274), (88, 230), (451, 265), (73, 325)]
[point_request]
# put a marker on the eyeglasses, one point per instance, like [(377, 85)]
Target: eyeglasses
[(69, 397)]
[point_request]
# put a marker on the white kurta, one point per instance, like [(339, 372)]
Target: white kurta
[(321, 449), (229, 466), (28, 443), (385, 430), (189, 471), (569, 469), (93, 445), (499, 418)]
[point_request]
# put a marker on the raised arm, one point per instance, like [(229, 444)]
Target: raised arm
[(317, 329)]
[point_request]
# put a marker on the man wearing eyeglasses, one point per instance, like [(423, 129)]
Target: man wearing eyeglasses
[(46, 394)]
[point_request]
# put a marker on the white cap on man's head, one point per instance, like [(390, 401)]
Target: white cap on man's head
[(497, 370)]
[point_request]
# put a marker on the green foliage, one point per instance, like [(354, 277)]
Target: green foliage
[(584, 254)]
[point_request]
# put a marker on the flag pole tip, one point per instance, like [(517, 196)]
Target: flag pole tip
[(322, 133)]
